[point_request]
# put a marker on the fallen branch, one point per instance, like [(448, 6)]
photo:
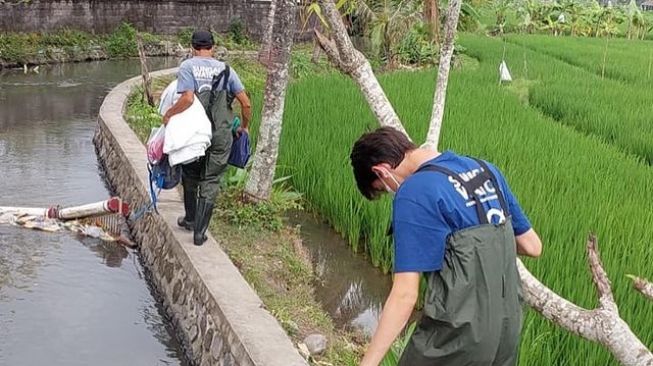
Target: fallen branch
[(602, 325)]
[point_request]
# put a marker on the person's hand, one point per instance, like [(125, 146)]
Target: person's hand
[(240, 130), (166, 119)]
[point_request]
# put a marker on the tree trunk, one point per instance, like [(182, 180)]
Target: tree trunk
[(446, 52), (317, 51), (147, 82), (349, 60), (432, 18), (259, 184), (266, 42)]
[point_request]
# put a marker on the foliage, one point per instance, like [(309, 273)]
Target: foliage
[(140, 115), (18, 47), (470, 19), (586, 18), (385, 22), (302, 66), (184, 36), (416, 47), (266, 215), (237, 31), (122, 42)]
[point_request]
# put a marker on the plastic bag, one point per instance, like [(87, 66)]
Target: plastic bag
[(155, 144)]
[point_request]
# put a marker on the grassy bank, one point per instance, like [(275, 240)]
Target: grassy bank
[(67, 45)]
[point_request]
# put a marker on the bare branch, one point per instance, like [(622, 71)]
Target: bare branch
[(339, 32), (643, 286), (329, 48), (555, 308), (602, 325), (599, 276)]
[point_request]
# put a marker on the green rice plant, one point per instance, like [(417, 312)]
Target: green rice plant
[(614, 110), (625, 60), (569, 184)]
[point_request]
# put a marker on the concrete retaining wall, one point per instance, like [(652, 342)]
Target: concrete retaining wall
[(156, 16), (218, 317)]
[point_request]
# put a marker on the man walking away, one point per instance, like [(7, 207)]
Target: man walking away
[(456, 221), (216, 85)]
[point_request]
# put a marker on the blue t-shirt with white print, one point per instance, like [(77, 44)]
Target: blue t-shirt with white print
[(196, 74), (429, 206)]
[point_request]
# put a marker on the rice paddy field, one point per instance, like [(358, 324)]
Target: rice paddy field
[(575, 148)]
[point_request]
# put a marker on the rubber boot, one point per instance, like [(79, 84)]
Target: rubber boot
[(202, 219), (190, 206)]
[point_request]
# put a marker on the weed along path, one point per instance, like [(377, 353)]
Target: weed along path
[(66, 300)]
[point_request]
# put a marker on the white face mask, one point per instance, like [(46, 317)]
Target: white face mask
[(387, 187)]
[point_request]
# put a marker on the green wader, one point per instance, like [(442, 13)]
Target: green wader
[(472, 312), (202, 177)]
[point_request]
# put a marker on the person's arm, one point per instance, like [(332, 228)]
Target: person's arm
[(420, 232), (245, 107), (395, 315), (529, 244), (184, 102)]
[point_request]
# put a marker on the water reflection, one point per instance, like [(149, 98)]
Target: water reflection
[(66, 299), (349, 288), (111, 253)]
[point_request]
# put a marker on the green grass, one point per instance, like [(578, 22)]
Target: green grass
[(630, 61), (617, 109), (569, 183)]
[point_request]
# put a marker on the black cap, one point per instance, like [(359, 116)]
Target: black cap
[(202, 39)]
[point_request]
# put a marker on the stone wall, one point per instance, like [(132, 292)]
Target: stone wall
[(219, 318), (155, 16)]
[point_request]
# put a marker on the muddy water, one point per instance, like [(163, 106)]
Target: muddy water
[(349, 288), (67, 300)]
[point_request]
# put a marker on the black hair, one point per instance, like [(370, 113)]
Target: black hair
[(384, 145)]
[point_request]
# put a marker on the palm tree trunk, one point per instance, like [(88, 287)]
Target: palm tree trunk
[(432, 18), (259, 184), (446, 52), (266, 43)]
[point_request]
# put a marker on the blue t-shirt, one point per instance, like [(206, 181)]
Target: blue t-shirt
[(196, 74), (430, 206)]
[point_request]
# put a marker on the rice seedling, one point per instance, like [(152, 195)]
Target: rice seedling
[(626, 60), (616, 111)]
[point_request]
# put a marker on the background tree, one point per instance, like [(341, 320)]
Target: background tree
[(259, 184)]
